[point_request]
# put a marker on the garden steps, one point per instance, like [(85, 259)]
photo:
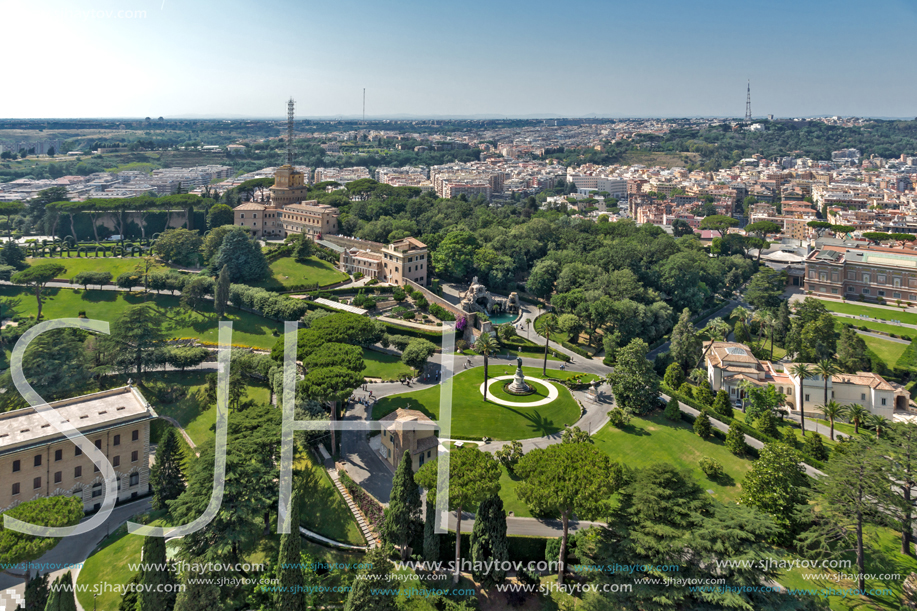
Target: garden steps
[(371, 537)]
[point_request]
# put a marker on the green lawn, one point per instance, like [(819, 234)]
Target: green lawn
[(886, 350), (108, 565), (657, 439), (192, 413), (75, 265), (559, 336), (511, 501), (906, 332), (323, 509), (474, 418), (498, 390), (248, 329), (287, 272), (873, 312), (383, 365)]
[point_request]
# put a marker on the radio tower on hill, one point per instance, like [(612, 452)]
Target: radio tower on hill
[(290, 106), (748, 104)]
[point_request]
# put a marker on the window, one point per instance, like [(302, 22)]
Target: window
[(37, 460), (134, 456), (116, 461), (866, 278), (15, 489), (36, 483), (862, 396), (58, 455), (135, 479), (884, 401), (851, 276), (135, 435), (16, 466), (881, 293), (117, 440), (881, 279), (849, 289), (78, 472), (99, 443), (866, 291), (96, 493), (95, 468), (896, 295), (242, 215), (58, 477), (428, 453), (807, 397), (834, 291), (78, 451)]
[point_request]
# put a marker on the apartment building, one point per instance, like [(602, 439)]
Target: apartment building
[(36, 461), (366, 262), (341, 175), (407, 259), (731, 365), (870, 272)]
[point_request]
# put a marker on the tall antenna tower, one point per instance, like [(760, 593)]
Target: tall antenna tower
[(364, 105), (748, 103), (290, 106)]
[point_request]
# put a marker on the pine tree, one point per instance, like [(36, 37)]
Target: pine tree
[(403, 511), (156, 578), (488, 541), (686, 348), (814, 447), (221, 294), (200, 596), (166, 473), (702, 426), (290, 597), (61, 599), (36, 593), (721, 404), (672, 410), (430, 538), (365, 594), (735, 440)]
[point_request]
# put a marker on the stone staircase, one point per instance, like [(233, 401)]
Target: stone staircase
[(372, 540)]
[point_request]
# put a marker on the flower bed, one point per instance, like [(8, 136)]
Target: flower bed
[(367, 504)]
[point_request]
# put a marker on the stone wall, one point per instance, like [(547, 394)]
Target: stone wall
[(432, 297)]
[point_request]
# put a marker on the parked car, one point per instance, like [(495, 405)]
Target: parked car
[(113, 238)]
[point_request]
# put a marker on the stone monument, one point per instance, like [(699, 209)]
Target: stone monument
[(519, 386)]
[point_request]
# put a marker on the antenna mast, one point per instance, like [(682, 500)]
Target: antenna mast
[(290, 105), (748, 103)]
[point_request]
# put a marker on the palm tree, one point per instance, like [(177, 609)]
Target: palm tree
[(528, 323), (739, 313), (832, 409), (718, 331), (549, 326), (879, 422), (857, 414), (485, 345), (826, 368), (801, 371)]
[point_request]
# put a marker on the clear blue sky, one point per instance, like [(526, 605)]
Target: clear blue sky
[(77, 58)]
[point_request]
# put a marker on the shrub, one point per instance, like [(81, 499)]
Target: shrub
[(721, 404), (735, 441), (815, 447), (702, 426), (674, 375), (687, 390), (711, 468), (672, 410), (619, 417)]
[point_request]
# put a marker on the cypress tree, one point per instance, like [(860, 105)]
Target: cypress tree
[(156, 577), (721, 404), (702, 426), (200, 596), (291, 596), (36, 593), (430, 538), (166, 474), (735, 440), (361, 596), (404, 507), (131, 597), (221, 293), (814, 446), (767, 424), (488, 541), (60, 598), (672, 410)]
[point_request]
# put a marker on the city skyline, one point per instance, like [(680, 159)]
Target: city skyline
[(139, 58)]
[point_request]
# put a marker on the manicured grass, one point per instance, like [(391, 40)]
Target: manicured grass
[(498, 390), (196, 416), (473, 418), (886, 350), (287, 272), (884, 557), (873, 312), (116, 266), (383, 365), (108, 565), (655, 439), (248, 329), (511, 501), (908, 359), (559, 336), (906, 332), (323, 509)]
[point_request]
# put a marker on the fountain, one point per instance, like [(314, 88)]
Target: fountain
[(519, 386)]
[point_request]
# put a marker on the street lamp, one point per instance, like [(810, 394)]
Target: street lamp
[(94, 602)]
